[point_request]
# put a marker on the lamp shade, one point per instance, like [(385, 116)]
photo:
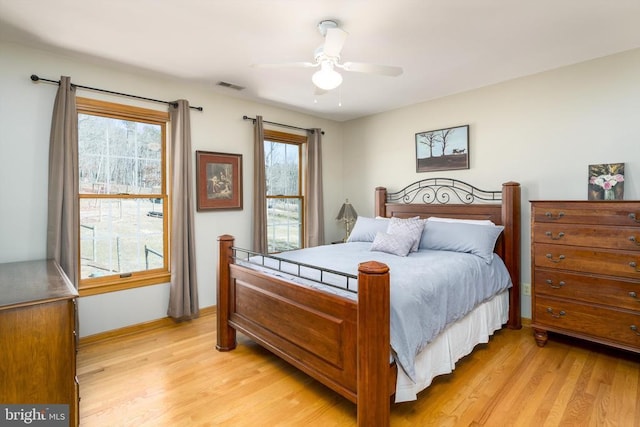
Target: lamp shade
[(326, 77), (347, 212)]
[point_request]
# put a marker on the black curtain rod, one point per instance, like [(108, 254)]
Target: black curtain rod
[(35, 78), (253, 119)]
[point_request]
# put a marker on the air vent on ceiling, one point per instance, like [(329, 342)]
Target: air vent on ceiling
[(230, 86)]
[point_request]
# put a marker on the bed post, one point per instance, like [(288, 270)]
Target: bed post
[(511, 222), (374, 342), (381, 201), (226, 336)]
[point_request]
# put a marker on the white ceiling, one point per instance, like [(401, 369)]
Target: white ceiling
[(444, 46)]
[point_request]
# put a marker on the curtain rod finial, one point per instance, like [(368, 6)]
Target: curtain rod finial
[(34, 78)]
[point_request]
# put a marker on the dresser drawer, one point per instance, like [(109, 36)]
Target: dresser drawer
[(608, 325), (609, 213), (609, 237), (584, 260), (598, 290)]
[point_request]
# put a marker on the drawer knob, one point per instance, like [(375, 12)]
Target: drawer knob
[(634, 328), (560, 215), (556, 315), (633, 265), (558, 286), (558, 237), (634, 240), (633, 295), (633, 217), (560, 258)]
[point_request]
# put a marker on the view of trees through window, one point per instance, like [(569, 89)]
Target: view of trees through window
[(122, 199), (284, 196)]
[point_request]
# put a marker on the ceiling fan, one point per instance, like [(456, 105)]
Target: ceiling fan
[(327, 57)]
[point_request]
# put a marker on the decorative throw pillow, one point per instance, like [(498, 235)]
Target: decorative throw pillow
[(365, 229), (477, 239), (411, 227), (396, 244)]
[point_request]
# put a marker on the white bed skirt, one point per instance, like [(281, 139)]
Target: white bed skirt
[(455, 342)]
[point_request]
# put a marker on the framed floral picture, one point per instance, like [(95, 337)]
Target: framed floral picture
[(606, 181), (219, 180)]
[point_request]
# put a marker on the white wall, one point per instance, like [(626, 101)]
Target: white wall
[(542, 131), (25, 120)]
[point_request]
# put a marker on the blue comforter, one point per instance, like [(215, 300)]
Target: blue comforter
[(429, 289)]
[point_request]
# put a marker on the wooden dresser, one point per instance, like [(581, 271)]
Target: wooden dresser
[(585, 259), (37, 336)]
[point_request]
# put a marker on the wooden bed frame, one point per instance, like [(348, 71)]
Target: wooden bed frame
[(345, 344)]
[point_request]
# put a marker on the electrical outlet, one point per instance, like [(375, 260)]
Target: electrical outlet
[(526, 289)]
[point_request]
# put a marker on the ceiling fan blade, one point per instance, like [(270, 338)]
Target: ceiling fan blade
[(287, 65), (361, 67), (334, 41)]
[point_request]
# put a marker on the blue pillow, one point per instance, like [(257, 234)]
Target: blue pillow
[(365, 229), (476, 239)]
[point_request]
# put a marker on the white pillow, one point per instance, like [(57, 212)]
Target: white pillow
[(478, 239), (365, 229), (463, 221), (396, 244), (408, 226)]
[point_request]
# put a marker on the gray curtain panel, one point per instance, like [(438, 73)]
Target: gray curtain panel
[(314, 206), (63, 220), (183, 294), (259, 189)]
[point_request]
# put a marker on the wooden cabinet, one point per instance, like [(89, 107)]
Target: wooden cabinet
[(585, 258), (38, 336)]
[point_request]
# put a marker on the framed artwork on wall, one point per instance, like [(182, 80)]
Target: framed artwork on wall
[(219, 180), (606, 181), (442, 149)]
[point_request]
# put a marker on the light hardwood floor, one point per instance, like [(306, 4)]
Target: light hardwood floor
[(173, 376)]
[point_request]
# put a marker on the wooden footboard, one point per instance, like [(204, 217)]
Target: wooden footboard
[(340, 342)]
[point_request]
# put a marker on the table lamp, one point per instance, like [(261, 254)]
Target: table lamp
[(349, 215)]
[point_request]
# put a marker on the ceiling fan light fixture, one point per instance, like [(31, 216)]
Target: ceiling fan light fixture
[(326, 77)]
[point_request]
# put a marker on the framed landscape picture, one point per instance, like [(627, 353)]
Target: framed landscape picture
[(219, 180), (442, 149)]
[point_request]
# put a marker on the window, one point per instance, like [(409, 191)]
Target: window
[(285, 201), (123, 196)]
